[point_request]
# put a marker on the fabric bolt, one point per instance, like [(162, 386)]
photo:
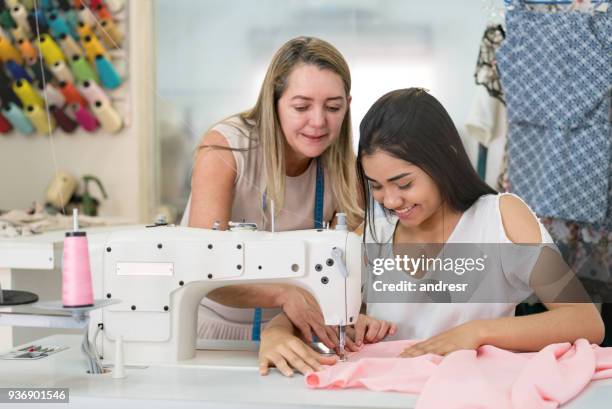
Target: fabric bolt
[(556, 71), (488, 377)]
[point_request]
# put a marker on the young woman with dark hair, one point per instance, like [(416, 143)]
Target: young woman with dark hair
[(411, 162)]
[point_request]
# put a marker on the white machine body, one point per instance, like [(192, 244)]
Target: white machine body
[(160, 274)]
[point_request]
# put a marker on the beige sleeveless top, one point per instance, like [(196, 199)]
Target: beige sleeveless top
[(217, 321), (298, 209)]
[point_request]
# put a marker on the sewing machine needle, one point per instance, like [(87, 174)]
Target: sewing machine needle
[(342, 335)]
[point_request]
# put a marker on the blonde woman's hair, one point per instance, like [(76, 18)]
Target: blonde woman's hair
[(338, 159)]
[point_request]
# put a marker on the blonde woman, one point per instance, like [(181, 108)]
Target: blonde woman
[(292, 147)]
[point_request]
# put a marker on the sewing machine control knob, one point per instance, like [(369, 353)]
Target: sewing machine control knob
[(336, 255), (341, 221)]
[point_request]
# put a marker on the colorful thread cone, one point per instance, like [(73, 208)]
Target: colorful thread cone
[(38, 117), (8, 95), (17, 118), (69, 46), (61, 71), (20, 16), (6, 20), (58, 25), (39, 15), (71, 95), (108, 76), (72, 19), (53, 96), (46, 4), (18, 72), (86, 16), (110, 34), (93, 47), (27, 50), (83, 30), (8, 52), (28, 4), (26, 94), (86, 119), (40, 71), (5, 125), (64, 5), (18, 33), (63, 121), (103, 12), (115, 6), (109, 118), (82, 70), (92, 92), (50, 50)]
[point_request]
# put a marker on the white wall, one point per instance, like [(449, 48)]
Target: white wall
[(212, 56)]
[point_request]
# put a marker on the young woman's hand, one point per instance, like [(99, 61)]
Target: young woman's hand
[(368, 330), (465, 336), (304, 312), (287, 353)]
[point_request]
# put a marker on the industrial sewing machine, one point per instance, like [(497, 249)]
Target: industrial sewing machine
[(160, 274)]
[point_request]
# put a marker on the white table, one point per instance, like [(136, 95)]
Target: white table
[(214, 379)]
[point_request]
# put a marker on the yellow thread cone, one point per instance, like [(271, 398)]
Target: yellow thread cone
[(84, 30), (51, 52), (26, 93), (39, 119), (93, 47)]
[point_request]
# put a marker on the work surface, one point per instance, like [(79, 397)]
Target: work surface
[(214, 379)]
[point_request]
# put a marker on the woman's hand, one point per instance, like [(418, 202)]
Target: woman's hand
[(286, 352), (304, 312), (368, 330), (466, 336)]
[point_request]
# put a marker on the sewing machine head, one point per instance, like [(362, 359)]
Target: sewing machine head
[(160, 274)]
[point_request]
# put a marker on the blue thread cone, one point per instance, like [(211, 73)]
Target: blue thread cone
[(73, 22), (17, 71), (17, 118), (108, 76), (58, 25), (47, 4), (39, 15)]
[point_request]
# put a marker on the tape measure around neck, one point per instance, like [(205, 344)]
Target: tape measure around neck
[(318, 224)]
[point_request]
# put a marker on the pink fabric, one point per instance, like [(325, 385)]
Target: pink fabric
[(488, 377)]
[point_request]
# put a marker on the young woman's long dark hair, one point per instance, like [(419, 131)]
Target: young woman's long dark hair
[(413, 126)]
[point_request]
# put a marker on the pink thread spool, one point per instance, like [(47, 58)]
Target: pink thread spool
[(77, 290)]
